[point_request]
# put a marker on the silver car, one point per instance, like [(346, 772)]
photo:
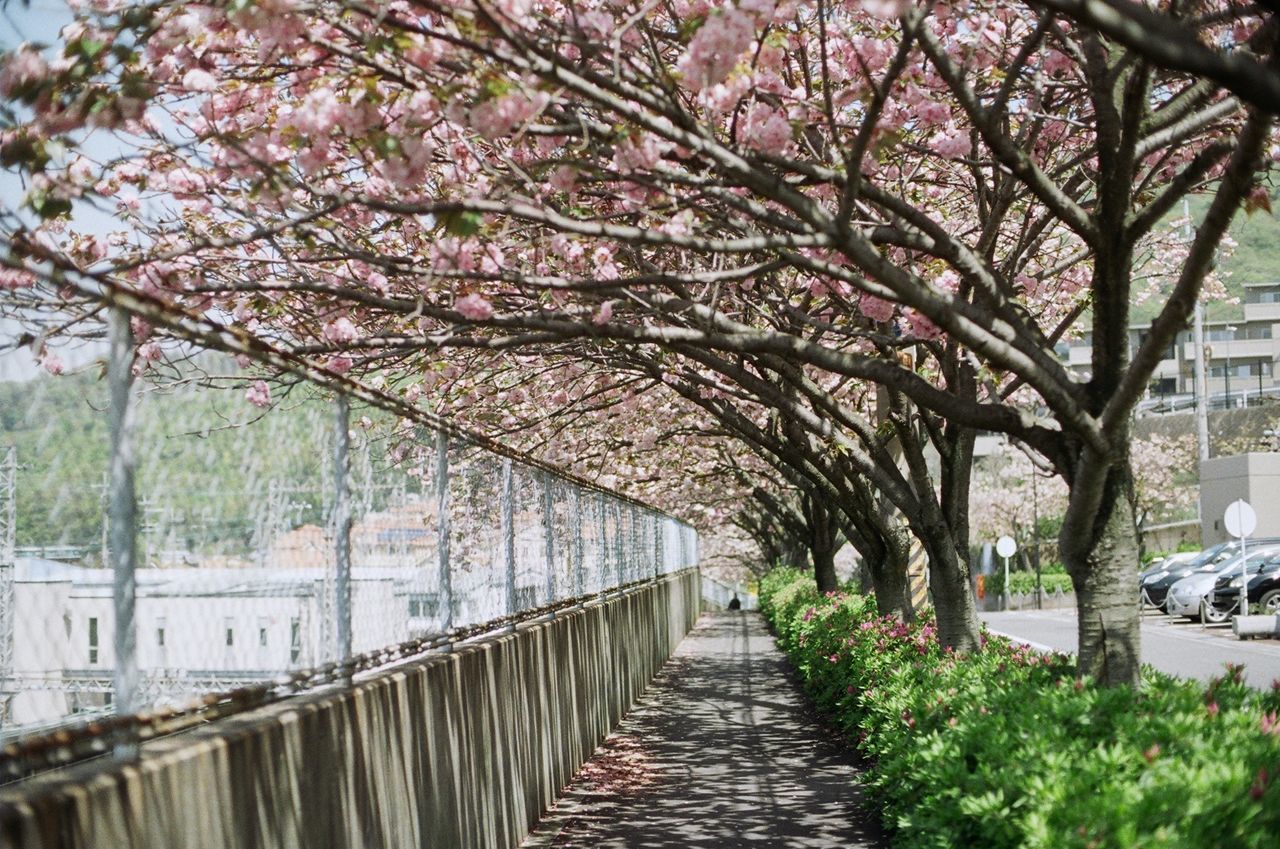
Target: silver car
[(1187, 596)]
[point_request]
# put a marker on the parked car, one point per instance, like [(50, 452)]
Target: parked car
[(1167, 564), (1187, 597), (1264, 589), (1155, 587)]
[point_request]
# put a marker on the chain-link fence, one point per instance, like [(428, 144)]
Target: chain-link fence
[(277, 549)]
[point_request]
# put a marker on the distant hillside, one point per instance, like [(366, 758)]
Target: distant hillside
[(1256, 259), (209, 463)]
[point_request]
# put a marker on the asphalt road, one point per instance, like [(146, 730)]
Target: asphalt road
[(1175, 646)]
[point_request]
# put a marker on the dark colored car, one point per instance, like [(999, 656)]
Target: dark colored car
[(1167, 564), (1155, 587), (1264, 589)]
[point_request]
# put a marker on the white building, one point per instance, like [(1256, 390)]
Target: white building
[(199, 630)]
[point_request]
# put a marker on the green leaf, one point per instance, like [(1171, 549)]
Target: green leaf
[(49, 207), (460, 223)]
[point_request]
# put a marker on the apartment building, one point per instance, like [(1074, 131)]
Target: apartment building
[(1241, 356)]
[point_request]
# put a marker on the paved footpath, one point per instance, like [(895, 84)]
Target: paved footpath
[(721, 752)]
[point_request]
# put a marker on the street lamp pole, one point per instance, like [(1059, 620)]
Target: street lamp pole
[(1200, 383), (1035, 531)]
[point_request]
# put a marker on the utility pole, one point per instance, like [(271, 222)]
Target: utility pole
[(122, 512), (1201, 383), (342, 530)]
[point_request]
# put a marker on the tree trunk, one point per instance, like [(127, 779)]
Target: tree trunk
[(1106, 603), (824, 570), (823, 543), (796, 556), (866, 586), (889, 578), (953, 600)]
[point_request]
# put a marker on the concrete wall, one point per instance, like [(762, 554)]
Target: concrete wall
[(1254, 477), (461, 750), (1169, 536)]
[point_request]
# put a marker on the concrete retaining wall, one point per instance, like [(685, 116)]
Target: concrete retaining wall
[(458, 750)]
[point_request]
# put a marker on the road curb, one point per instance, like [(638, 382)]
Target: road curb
[(1040, 647)]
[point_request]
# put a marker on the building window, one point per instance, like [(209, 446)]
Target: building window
[(93, 639), (295, 639), (231, 631), (1241, 370), (423, 604)]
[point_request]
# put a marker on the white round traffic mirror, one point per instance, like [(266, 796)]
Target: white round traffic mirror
[(1005, 546), (1240, 519)]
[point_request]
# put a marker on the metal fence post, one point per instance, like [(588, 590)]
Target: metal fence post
[(575, 509), (508, 534), (549, 534), (602, 548), (620, 554), (342, 528), (638, 539), (442, 531), (122, 515), (658, 548)]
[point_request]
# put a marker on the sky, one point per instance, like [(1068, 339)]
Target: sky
[(40, 23)]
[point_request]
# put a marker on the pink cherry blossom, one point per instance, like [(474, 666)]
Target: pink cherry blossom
[(884, 9), (340, 331), (474, 307), (501, 115), (258, 394), (766, 129), (563, 179), (23, 67), (12, 279), (951, 142), (716, 48), (604, 314), (319, 113), (198, 79), (876, 309), (52, 363), (920, 326), (641, 154)]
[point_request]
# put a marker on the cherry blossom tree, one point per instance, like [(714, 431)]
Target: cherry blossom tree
[(792, 196)]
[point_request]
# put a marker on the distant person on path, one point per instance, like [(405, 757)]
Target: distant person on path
[(734, 603)]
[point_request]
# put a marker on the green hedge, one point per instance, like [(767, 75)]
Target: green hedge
[(1006, 748), (1025, 582)]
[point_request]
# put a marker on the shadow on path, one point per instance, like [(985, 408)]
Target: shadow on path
[(723, 752)]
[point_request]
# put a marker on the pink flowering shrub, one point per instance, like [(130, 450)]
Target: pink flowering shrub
[(1006, 748)]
